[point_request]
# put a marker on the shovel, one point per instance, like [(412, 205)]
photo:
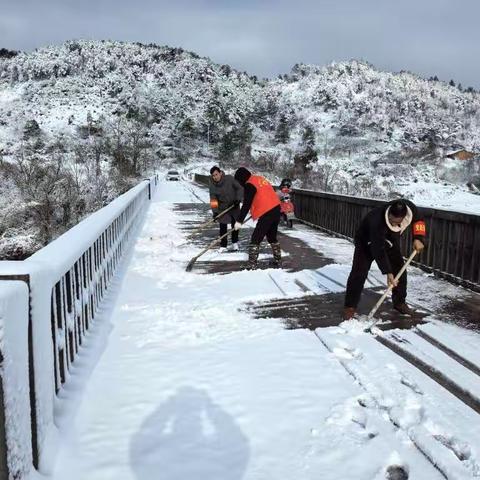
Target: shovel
[(208, 247), (387, 291), (210, 222), (203, 225)]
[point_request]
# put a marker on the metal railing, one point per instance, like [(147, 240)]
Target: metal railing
[(453, 238), (64, 284), (202, 179), (77, 295)]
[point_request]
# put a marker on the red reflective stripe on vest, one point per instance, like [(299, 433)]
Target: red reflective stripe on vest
[(419, 228), (265, 198)]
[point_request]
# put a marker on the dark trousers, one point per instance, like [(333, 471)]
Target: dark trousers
[(267, 225), (223, 231), (362, 260)]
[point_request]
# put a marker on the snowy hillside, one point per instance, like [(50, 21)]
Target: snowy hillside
[(60, 86), (380, 134), (93, 117)]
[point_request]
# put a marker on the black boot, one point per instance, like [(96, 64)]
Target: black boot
[(277, 255), (253, 251)]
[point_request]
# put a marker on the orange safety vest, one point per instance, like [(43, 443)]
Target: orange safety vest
[(265, 199)]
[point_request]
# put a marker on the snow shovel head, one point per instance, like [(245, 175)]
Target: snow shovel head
[(190, 265), (208, 247), (387, 291), (368, 329)]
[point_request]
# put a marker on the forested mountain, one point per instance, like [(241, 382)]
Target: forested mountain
[(81, 122)]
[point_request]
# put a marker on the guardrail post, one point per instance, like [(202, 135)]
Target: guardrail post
[(16, 442)]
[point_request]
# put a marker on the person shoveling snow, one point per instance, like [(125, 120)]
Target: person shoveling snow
[(262, 201), (378, 238), (225, 195)]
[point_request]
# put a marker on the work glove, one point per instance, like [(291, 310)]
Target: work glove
[(237, 226), (418, 245), (214, 214), (236, 203)]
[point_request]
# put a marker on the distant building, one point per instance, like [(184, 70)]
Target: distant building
[(460, 154)]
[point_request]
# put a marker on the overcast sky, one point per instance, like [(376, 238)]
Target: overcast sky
[(267, 37)]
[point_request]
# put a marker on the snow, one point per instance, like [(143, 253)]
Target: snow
[(45, 269), (14, 375), (173, 341), (177, 380), (424, 413), (422, 349), (443, 197), (464, 342), (63, 252), (390, 112), (424, 288), (374, 133)]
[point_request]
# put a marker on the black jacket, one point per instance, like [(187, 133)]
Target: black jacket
[(375, 235), (249, 192)]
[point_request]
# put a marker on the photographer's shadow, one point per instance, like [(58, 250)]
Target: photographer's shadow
[(189, 437)]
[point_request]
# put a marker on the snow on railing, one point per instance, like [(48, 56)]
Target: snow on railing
[(48, 302), (15, 431)]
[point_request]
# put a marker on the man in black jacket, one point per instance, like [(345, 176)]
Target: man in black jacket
[(378, 238)]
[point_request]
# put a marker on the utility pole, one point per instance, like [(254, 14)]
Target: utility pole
[(208, 137)]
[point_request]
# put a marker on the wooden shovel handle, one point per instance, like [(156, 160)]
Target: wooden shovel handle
[(384, 296)]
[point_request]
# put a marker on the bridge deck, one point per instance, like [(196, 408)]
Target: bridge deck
[(210, 374)]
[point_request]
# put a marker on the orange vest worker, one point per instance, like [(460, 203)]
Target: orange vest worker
[(265, 199)]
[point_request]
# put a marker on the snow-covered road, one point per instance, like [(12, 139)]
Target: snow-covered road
[(177, 381)]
